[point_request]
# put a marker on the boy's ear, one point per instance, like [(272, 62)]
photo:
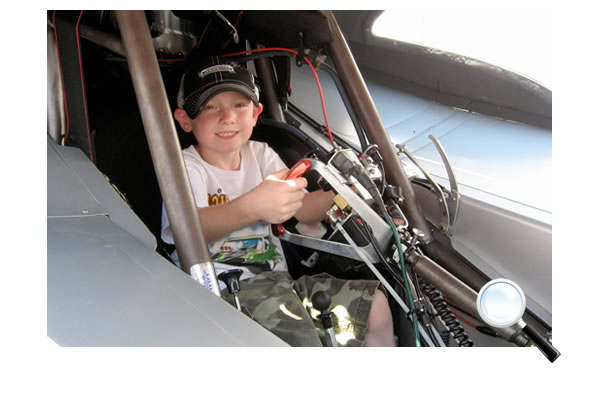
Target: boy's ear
[(183, 119), (256, 112)]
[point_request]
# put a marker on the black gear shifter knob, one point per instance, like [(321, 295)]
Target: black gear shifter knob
[(231, 278), (321, 301)]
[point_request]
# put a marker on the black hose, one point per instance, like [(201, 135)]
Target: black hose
[(426, 315), (366, 230), (444, 312)]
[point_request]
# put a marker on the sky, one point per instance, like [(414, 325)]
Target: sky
[(516, 38)]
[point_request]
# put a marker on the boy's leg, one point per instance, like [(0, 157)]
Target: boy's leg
[(380, 330), (362, 313), (351, 303), (272, 302)]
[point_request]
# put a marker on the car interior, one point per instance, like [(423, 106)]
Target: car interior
[(98, 112)]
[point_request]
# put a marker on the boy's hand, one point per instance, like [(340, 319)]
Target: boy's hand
[(276, 200)]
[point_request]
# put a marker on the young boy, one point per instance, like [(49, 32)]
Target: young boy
[(239, 191)]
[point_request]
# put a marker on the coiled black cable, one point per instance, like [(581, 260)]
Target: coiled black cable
[(444, 312), (445, 337)]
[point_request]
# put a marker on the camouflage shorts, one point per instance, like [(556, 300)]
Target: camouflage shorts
[(283, 306)]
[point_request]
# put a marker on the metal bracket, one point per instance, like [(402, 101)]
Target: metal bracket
[(348, 192), (445, 219), (300, 56), (449, 213), (236, 37), (454, 195)]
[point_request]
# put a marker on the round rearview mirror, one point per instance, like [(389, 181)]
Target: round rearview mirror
[(501, 303)]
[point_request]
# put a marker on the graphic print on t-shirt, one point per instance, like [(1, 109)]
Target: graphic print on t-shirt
[(218, 198), (251, 249), (254, 252)]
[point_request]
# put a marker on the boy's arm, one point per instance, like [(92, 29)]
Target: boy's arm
[(273, 201), (219, 220), (314, 206)]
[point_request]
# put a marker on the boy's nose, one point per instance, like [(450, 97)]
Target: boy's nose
[(227, 115)]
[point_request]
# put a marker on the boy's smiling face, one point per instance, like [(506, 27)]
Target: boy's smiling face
[(222, 127)]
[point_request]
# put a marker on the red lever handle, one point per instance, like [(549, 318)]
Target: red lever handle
[(297, 170)]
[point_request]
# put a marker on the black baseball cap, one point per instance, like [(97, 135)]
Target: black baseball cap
[(202, 81)]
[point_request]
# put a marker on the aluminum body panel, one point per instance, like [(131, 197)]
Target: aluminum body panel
[(76, 188), (503, 159), (510, 160), (107, 289), (106, 286)]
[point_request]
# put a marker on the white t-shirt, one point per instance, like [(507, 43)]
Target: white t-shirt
[(254, 247)]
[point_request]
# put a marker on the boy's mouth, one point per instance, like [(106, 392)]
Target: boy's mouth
[(226, 134)]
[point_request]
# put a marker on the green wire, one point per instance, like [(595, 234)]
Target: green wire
[(404, 276)]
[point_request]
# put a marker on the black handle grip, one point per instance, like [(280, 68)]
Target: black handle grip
[(231, 278), (544, 345), (321, 301)]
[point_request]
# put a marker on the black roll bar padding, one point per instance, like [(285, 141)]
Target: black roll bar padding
[(540, 341)]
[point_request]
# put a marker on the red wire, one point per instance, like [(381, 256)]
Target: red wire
[(238, 18), (465, 321), (453, 304), (85, 110), (312, 69), (62, 80), (204, 32)]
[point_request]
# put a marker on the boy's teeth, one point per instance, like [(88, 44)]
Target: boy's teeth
[(226, 133)]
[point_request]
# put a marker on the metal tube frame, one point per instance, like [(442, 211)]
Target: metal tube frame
[(458, 291), (368, 116), (264, 69), (167, 158)]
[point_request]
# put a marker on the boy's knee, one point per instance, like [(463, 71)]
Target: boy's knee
[(380, 299), (380, 330), (380, 309)]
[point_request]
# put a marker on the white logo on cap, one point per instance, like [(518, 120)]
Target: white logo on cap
[(217, 68)]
